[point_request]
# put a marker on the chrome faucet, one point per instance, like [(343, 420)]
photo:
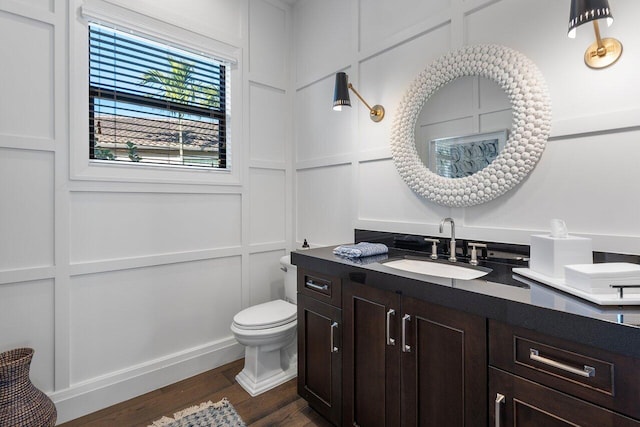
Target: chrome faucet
[(452, 243)]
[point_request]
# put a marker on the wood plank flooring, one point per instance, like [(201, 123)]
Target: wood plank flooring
[(278, 407)]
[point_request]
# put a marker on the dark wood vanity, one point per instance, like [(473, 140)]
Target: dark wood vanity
[(379, 347)]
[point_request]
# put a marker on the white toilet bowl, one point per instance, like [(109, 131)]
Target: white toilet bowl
[(268, 331)]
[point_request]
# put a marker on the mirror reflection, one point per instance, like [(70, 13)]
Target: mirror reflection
[(463, 127)]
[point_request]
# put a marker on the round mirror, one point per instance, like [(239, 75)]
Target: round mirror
[(463, 127), (482, 131)]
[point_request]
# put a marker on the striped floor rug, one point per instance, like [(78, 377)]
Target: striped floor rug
[(206, 414)]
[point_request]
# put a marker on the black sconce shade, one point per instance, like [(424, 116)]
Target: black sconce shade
[(604, 51), (341, 92), (583, 11)]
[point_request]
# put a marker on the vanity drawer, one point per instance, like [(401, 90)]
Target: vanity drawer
[(596, 375), (320, 286)]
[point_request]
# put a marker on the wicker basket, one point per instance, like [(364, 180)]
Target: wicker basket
[(21, 403)]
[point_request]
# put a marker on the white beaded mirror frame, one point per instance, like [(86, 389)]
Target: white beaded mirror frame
[(526, 90)]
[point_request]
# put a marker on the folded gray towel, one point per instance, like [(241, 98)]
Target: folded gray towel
[(366, 260), (362, 249)]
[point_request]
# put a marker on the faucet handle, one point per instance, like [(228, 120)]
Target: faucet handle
[(474, 253), (477, 245), (434, 246)]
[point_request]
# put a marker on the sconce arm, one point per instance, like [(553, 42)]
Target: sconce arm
[(376, 113), (596, 29), (359, 96)]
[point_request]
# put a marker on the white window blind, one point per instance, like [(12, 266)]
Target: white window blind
[(151, 103)]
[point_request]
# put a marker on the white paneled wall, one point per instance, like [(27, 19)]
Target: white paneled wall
[(26, 218), (152, 224), (266, 277), (125, 284), (324, 203), (28, 78), (320, 134), (586, 173), (269, 27), (322, 30), (123, 318), (384, 197), (26, 319), (268, 133), (385, 76), (267, 204), (383, 20)]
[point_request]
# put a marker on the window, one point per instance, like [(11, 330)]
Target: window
[(151, 103)]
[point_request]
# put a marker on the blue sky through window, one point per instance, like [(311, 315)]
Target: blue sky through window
[(165, 101), (118, 61)]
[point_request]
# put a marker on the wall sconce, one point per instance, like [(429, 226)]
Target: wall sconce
[(603, 52), (341, 98)]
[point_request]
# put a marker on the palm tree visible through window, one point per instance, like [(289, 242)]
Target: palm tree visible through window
[(152, 103), (180, 85)]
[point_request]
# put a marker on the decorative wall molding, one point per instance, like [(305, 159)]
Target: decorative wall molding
[(22, 142), (89, 396), (104, 266), (28, 11), (27, 274), (338, 160), (605, 122)]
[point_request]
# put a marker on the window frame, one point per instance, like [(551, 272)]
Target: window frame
[(109, 15)]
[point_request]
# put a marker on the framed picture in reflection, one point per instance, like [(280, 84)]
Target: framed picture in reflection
[(461, 156)]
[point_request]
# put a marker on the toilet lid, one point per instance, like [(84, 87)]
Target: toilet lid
[(267, 315)]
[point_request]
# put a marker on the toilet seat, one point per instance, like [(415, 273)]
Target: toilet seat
[(267, 315)]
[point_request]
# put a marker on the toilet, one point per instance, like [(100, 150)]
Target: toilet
[(268, 331)]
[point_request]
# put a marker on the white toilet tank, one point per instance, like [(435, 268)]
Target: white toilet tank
[(290, 279)]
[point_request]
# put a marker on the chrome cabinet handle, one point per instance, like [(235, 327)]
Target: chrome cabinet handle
[(312, 285), (405, 348), (390, 341), (586, 371), (500, 399), (334, 326)]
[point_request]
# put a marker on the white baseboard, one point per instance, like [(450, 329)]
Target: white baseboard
[(98, 393)]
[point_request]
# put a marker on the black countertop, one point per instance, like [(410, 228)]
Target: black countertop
[(500, 295)]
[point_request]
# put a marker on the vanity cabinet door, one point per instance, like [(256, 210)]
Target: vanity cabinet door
[(516, 401), (320, 356), (371, 356), (444, 366)]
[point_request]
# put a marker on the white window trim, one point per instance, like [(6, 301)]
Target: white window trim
[(83, 168)]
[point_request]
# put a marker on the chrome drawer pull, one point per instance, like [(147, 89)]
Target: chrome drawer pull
[(405, 348), (500, 399), (621, 289), (334, 326), (587, 371), (390, 341), (312, 285)]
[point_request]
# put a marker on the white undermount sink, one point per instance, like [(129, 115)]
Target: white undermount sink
[(450, 271)]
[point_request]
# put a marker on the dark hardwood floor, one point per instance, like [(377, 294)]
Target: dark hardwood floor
[(278, 407)]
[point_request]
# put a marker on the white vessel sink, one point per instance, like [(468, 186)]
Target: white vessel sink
[(450, 271)]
